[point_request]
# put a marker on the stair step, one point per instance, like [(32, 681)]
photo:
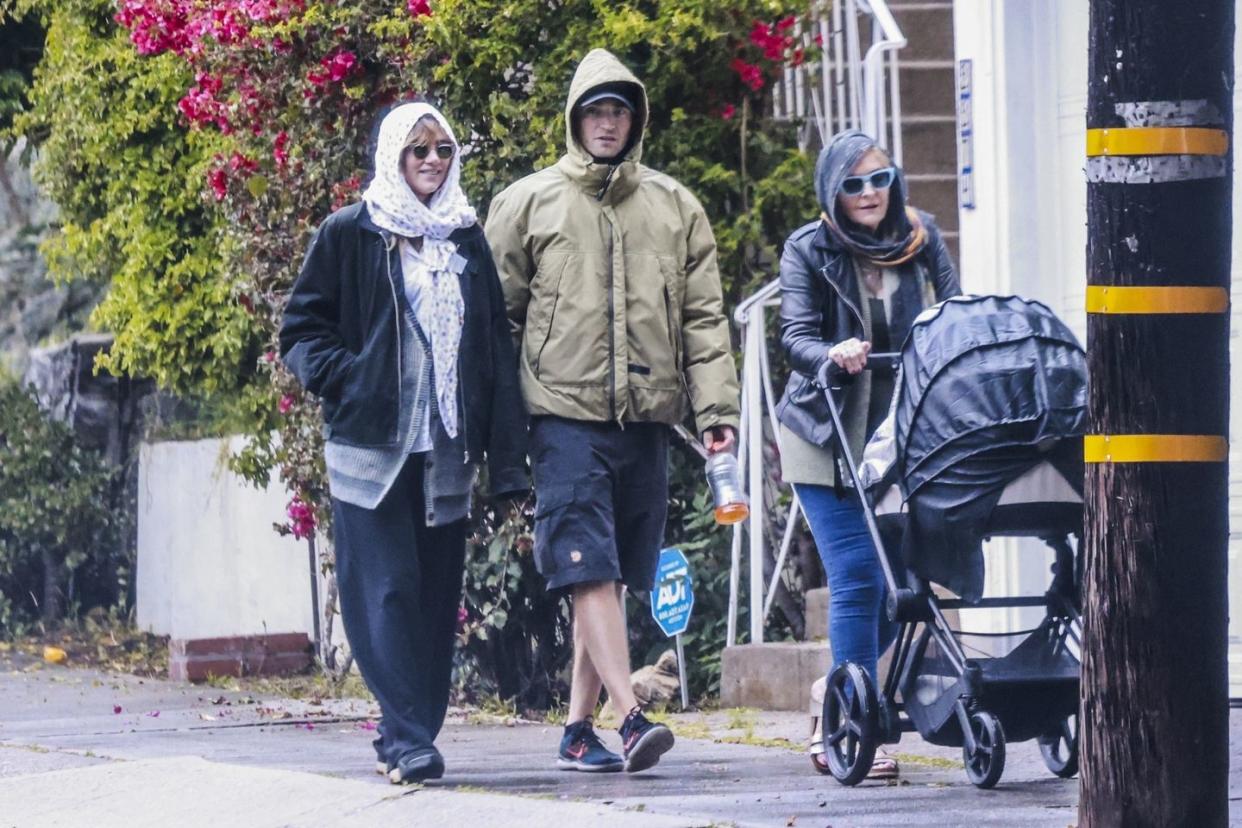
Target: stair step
[(929, 119), (938, 196), (772, 676), (929, 147), (927, 64), (928, 88), (929, 30)]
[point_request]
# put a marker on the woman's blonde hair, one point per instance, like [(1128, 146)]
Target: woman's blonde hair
[(423, 132)]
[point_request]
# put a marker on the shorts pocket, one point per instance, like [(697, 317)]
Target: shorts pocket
[(571, 532)]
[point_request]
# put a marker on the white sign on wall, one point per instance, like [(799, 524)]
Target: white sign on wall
[(965, 137)]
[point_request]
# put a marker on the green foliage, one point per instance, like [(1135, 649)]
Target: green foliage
[(55, 512), (21, 47), (515, 638), (128, 179)]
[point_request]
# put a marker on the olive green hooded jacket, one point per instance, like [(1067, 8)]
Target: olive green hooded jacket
[(610, 281)]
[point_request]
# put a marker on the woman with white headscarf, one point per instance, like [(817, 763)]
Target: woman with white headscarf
[(397, 324)]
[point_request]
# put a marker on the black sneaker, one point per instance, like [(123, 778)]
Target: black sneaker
[(581, 750), (644, 741), (417, 766)]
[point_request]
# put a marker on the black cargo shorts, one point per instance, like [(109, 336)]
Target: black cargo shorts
[(601, 499)]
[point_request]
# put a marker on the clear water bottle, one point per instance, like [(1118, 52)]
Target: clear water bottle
[(726, 484)]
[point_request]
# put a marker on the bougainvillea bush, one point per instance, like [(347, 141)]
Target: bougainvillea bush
[(213, 137)]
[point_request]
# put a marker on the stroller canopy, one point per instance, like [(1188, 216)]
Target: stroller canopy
[(984, 374)]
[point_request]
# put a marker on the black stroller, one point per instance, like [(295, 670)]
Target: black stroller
[(983, 439)]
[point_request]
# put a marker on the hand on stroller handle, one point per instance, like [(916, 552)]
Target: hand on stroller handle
[(835, 376)]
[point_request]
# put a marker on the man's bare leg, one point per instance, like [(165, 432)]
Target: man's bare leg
[(585, 683), (601, 650)]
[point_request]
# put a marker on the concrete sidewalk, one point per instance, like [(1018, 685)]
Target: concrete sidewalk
[(79, 745)]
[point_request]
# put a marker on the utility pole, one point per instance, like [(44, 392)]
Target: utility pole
[(1154, 720)]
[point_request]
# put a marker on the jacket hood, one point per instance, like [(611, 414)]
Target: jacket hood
[(834, 165), (900, 235), (602, 68)]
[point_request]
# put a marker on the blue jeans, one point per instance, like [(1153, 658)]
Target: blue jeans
[(858, 627)]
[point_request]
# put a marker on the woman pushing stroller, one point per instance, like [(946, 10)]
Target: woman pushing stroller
[(852, 282)]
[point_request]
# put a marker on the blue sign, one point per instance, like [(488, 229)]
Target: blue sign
[(672, 599)]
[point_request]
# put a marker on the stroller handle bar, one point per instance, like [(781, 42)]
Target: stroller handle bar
[(875, 360)]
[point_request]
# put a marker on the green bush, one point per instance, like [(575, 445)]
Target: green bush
[(56, 517)]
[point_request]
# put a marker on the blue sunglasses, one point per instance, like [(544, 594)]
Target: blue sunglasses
[(879, 180)]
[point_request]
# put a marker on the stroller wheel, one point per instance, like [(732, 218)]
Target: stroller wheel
[(1060, 748), (986, 763), (851, 723)]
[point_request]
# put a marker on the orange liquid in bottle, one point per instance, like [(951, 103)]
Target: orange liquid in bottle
[(732, 513)]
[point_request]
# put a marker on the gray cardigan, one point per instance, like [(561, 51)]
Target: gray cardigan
[(363, 476)]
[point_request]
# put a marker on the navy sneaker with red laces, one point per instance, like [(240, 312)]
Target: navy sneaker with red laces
[(644, 741), (582, 750)]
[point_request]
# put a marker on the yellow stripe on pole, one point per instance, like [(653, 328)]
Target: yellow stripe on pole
[(1157, 141), (1155, 448), (1171, 299)]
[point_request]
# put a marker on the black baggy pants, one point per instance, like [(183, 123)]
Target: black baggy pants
[(400, 585)]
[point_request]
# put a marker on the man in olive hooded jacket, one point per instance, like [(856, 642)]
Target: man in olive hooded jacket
[(610, 279)]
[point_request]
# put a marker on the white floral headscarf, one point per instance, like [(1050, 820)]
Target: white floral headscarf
[(394, 207)]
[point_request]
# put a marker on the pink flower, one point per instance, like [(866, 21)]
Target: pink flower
[(239, 163), (269, 356), (819, 40), (280, 149), (728, 112), (786, 24), (286, 405), (201, 107), (798, 57), (116, 710), (771, 42), (335, 67), (301, 518), (419, 8), (219, 181), (750, 74)]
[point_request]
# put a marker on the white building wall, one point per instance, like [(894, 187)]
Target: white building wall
[(209, 563), (1028, 231)]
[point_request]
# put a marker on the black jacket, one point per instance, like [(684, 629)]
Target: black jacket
[(340, 337), (820, 307)]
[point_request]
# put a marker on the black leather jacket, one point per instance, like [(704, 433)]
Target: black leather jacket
[(820, 307), (341, 337)]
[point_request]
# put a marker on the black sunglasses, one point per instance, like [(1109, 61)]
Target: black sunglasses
[(879, 180), (444, 151)]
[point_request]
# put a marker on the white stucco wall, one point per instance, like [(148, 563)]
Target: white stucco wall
[(209, 563)]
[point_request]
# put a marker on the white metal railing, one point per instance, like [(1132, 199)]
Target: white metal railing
[(846, 89)]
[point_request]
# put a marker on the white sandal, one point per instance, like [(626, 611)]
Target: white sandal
[(883, 766), (817, 726)]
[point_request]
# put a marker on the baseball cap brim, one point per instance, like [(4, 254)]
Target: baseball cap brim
[(605, 95)]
